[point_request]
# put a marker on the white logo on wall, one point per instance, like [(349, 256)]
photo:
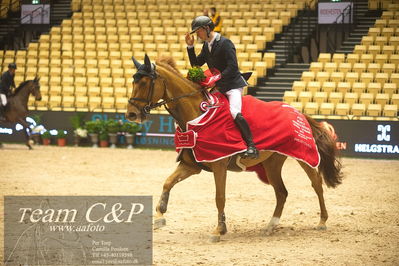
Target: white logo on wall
[(384, 136)]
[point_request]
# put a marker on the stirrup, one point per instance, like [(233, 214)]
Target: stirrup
[(250, 153)]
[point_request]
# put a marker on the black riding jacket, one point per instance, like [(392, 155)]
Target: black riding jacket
[(223, 58), (7, 80)]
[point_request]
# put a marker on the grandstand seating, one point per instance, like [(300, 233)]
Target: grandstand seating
[(361, 85), (86, 61)]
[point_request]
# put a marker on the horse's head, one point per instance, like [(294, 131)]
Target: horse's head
[(35, 89), (148, 89)]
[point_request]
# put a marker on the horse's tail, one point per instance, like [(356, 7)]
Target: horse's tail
[(330, 166)]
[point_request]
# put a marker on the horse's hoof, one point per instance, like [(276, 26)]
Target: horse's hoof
[(214, 238), (159, 223), (321, 227)]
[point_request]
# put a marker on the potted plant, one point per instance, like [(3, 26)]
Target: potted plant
[(130, 130), (103, 139), (46, 137), (113, 127), (61, 138), (93, 129), (78, 125)]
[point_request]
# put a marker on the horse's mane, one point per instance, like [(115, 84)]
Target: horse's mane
[(22, 84), (170, 64)]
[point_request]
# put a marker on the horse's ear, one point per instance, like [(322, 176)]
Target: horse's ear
[(136, 63), (147, 62)]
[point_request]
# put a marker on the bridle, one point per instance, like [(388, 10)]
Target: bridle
[(149, 105)]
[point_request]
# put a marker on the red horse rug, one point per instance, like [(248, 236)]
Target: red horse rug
[(275, 126)]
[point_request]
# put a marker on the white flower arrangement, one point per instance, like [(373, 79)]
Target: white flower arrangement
[(81, 132)]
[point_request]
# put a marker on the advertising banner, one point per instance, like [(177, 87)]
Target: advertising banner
[(329, 12), (35, 14)]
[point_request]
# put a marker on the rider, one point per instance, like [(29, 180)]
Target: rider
[(219, 52), (7, 81)]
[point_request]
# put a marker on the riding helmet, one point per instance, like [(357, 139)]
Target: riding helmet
[(12, 65), (201, 21)]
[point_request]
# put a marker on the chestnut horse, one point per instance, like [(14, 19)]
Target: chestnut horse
[(17, 107), (181, 97)]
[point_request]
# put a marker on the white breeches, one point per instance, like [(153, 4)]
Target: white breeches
[(3, 99), (235, 100)]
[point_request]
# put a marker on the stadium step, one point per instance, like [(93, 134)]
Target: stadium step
[(272, 88)]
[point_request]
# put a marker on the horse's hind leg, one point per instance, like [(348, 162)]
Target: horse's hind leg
[(182, 172), (273, 167), (318, 188)]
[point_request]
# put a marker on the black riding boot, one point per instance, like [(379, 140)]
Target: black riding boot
[(242, 124)]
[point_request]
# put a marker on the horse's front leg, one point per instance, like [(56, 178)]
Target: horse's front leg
[(182, 172), (220, 173), (26, 129)]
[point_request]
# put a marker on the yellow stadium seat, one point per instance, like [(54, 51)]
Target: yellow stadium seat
[(320, 97), (388, 49), (359, 68), (374, 110), (344, 67), (366, 98), (313, 86), (388, 68), (338, 58), (107, 91), (108, 102), (381, 78), (367, 41), (395, 78), (311, 108), (358, 109), (330, 67), (299, 86), (395, 99), (308, 76), (352, 58), (388, 32), (352, 77), (381, 59), (373, 68), (93, 91), (382, 98), (326, 108), (305, 96), (297, 105), (359, 87), (390, 110), (324, 57), (390, 88), (335, 97), (316, 67), (374, 88), (374, 32), (94, 103), (120, 92), (360, 49), (329, 86), (289, 96), (342, 109), (366, 77)]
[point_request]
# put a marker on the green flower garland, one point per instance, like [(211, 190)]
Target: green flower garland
[(196, 74)]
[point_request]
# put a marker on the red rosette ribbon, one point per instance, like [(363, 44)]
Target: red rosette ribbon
[(212, 76)]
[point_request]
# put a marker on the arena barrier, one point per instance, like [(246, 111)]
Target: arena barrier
[(356, 138)]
